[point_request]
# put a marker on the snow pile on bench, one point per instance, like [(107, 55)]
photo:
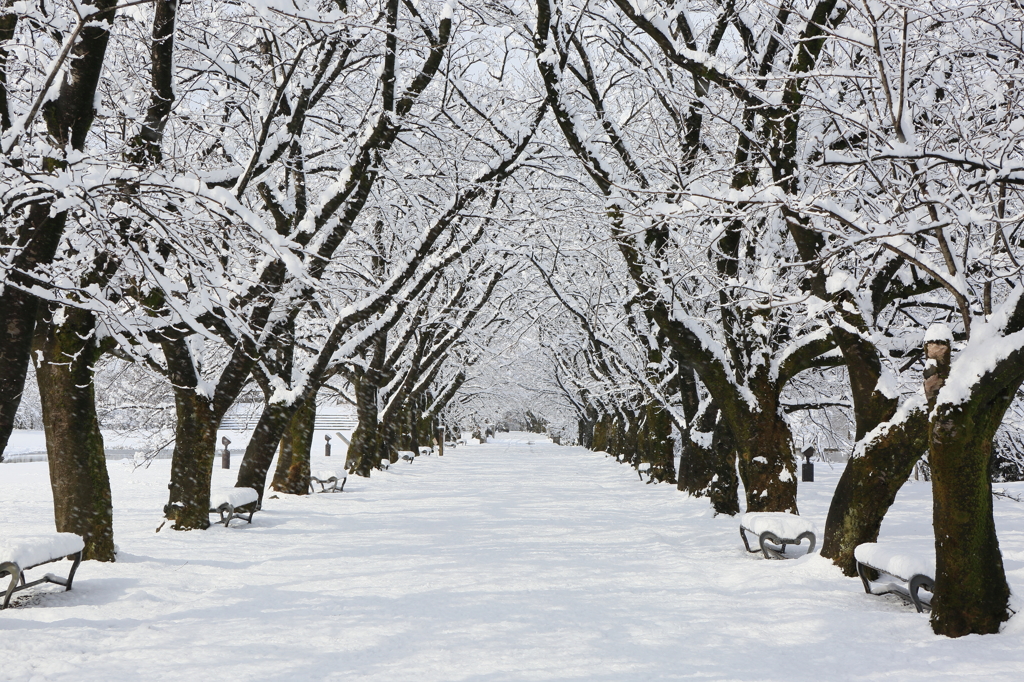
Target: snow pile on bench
[(28, 552), (780, 523), (407, 455), (895, 563), (325, 475), (235, 497)]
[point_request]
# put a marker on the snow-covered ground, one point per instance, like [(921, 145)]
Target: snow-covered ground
[(507, 561)]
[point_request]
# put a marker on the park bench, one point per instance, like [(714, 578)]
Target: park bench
[(18, 556), (776, 528), (912, 571), (234, 503), (407, 455), (426, 452), (329, 481)]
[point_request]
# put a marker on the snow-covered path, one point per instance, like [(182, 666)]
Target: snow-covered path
[(506, 561)]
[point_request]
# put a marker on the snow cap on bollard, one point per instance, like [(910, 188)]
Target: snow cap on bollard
[(807, 468)]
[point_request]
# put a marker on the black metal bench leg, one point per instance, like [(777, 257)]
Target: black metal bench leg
[(862, 571), (772, 537), (745, 542), (810, 539), (74, 567), (916, 583), (16, 575)]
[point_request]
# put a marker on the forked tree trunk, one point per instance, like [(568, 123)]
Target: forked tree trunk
[(868, 487), (292, 473), (74, 444), (870, 481), (707, 465), (766, 464)]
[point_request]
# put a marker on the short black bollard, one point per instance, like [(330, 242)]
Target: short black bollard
[(807, 469), (327, 445), (225, 457)]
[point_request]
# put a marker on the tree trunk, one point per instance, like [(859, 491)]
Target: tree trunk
[(195, 443), (655, 443), (259, 454), (68, 117), (19, 310), (868, 487), (767, 466), (708, 468), (74, 444), (602, 433), (971, 594), (367, 448), (585, 426), (292, 474)]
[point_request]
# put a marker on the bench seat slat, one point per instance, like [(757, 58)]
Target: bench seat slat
[(894, 562), (916, 571), (21, 554), (782, 524), (236, 497), (30, 552)]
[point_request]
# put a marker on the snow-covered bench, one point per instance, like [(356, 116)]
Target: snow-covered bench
[(234, 503), (18, 556), (777, 528), (330, 482), (426, 452), (913, 571), (407, 455)]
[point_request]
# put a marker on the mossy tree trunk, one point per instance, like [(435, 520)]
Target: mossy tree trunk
[(971, 593), (292, 473), (767, 465), (707, 464), (585, 426), (601, 432), (764, 445), (655, 444), (868, 488), (74, 444)]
